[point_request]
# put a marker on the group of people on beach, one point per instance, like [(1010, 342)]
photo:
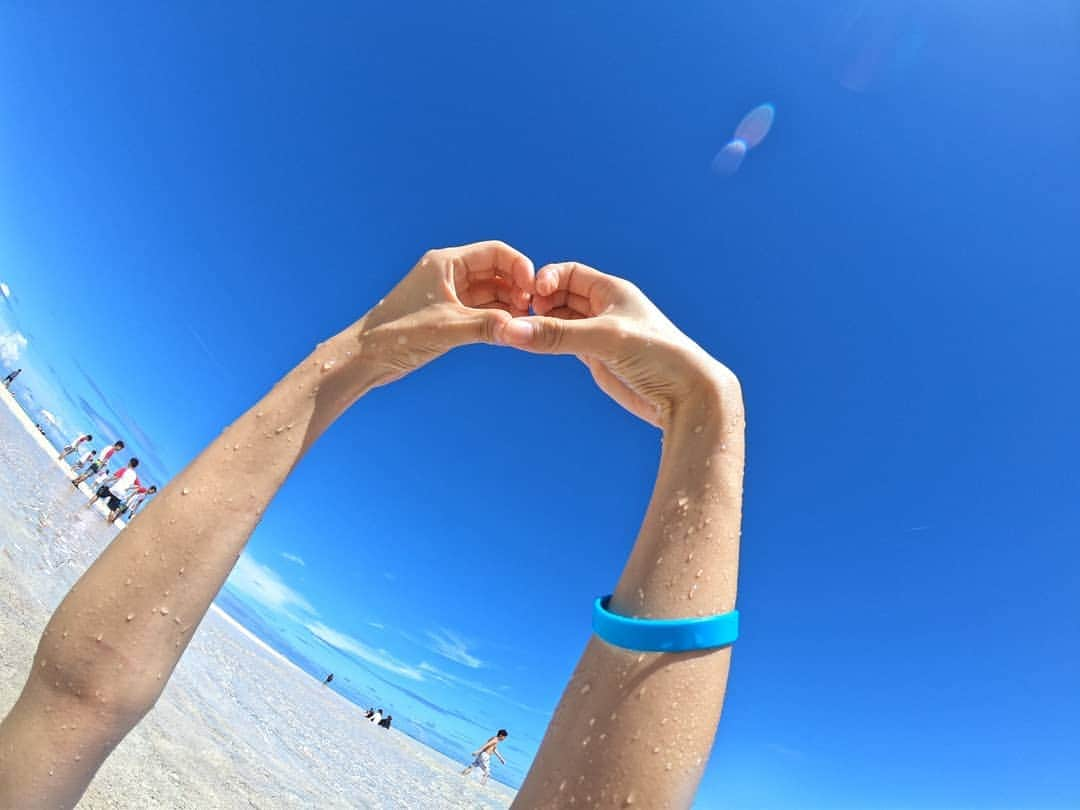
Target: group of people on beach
[(121, 490), (376, 716)]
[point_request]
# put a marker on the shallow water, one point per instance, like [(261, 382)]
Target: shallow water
[(237, 726)]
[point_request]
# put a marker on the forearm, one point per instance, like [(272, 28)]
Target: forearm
[(654, 715), (124, 625)]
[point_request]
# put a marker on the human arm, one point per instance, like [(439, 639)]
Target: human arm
[(113, 642), (133, 502), (112, 478), (638, 727)]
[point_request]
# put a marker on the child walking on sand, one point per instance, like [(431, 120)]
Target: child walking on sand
[(483, 756)]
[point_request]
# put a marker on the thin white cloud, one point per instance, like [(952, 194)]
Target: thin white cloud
[(357, 648), (11, 346), (475, 686), (446, 677), (293, 558), (265, 586), (377, 625), (450, 645), (786, 750), (5, 290)]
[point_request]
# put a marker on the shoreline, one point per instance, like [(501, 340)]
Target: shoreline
[(258, 642)]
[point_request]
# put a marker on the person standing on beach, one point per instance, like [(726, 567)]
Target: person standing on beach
[(386, 721), (74, 446), (116, 487), (10, 378), (109, 650), (131, 504), (375, 718), (83, 460), (483, 756), (99, 463)]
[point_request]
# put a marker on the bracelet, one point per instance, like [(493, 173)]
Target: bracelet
[(664, 635)]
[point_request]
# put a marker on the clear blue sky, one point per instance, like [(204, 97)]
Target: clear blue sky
[(189, 201)]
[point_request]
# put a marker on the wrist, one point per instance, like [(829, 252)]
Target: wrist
[(339, 371), (710, 401)]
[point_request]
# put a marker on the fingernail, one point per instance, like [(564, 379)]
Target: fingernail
[(516, 332)]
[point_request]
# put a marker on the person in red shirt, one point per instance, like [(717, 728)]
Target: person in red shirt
[(116, 487), (131, 505)]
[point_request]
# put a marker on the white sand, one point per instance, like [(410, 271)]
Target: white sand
[(239, 726)]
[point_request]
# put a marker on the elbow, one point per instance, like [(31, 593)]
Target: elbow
[(101, 683)]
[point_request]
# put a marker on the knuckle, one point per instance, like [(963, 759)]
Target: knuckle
[(626, 286), (433, 256), (550, 335), (487, 328)]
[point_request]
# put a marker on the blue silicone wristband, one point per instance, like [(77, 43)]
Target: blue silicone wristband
[(664, 635)]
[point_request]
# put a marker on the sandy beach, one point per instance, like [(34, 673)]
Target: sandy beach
[(239, 726)]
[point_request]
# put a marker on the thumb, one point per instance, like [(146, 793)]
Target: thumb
[(474, 326), (546, 335)]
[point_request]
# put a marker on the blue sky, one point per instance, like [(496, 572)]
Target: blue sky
[(190, 201)]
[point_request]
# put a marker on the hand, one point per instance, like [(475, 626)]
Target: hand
[(636, 355), (452, 297)]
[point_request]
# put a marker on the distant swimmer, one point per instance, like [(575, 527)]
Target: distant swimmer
[(329, 678), (131, 504), (375, 718), (369, 712), (115, 488), (483, 756), (385, 722), (99, 463), (74, 445), (84, 459), (10, 378)]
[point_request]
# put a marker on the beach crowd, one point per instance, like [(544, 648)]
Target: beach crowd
[(122, 490)]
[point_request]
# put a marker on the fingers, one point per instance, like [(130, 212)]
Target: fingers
[(474, 325), (483, 260), (574, 277), (497, 292), (576, 305), (553, 335)]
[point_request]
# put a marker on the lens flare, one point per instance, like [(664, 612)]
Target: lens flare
[(755, 125), (750, 132), (728, 159)]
